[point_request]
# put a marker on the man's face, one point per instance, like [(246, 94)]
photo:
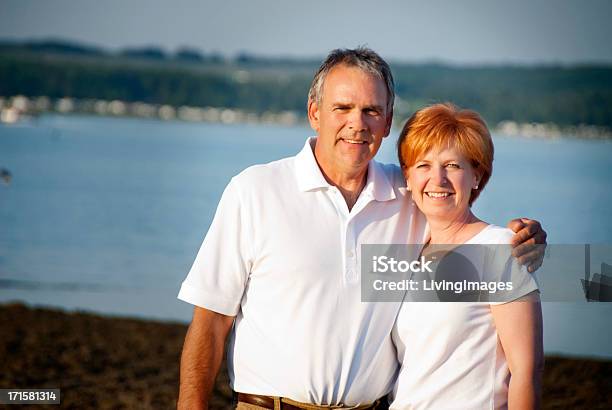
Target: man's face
[(350, 121)]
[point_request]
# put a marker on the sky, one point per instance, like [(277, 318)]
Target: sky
[(455, 31)]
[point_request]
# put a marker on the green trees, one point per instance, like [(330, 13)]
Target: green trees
[(557, 94)]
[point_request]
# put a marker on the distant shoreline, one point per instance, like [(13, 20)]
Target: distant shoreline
[(112, 362), (17, 108), (192, 86)]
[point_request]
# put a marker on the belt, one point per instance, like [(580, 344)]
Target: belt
[(268, 402)]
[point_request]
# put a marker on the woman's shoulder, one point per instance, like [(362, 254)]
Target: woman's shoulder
[(493, 234)]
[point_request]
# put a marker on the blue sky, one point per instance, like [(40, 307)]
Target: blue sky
[(457, 31)]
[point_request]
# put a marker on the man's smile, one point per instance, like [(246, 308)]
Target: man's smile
[(354, 141)]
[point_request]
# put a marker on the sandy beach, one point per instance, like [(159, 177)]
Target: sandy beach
[(116, 363)]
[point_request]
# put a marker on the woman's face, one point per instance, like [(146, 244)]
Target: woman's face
[(441, 182)]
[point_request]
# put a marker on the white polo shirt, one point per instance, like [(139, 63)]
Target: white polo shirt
[(282, 254)]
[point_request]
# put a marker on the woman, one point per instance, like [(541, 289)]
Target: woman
[(463, 355)]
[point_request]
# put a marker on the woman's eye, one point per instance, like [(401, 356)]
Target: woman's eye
[(453, 165), (421, 165)]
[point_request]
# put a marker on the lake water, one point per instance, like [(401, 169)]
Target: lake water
[(107, 214)]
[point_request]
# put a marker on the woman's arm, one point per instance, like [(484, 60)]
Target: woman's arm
[(519, 326)]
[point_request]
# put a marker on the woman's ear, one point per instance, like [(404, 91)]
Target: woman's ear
[(477, 178), (405, 172), (408, 187)]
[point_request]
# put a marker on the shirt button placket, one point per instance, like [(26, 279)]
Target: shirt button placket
[(351, 257)]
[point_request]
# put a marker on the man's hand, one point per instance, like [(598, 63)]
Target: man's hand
[(529, 242), (202, 356)]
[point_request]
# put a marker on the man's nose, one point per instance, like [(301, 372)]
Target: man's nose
[(357, 121)]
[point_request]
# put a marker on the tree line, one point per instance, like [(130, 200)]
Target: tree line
[(564, 95)]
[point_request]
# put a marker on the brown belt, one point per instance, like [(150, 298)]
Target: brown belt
[(286, 404)]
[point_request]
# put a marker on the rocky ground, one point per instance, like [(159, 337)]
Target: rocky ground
[(115, 363)]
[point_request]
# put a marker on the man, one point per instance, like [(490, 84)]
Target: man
[(281, 259)]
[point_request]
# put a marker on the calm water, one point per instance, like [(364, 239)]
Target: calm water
[(107, 214)]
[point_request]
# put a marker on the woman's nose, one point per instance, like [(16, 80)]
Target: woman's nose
[(438, 175)]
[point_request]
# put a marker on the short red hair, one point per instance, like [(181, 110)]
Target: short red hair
[(446, 125)]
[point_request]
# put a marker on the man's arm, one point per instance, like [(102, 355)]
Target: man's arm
[(201, 357), (529, 242)]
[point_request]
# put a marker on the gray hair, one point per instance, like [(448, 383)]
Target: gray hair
[(363, 58)]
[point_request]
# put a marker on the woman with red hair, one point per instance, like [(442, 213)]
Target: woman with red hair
[(474, 354)]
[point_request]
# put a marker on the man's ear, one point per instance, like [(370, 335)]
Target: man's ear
[(389, 122), (313, 115)]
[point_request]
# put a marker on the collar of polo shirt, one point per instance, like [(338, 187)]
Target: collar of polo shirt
[(309, 175)]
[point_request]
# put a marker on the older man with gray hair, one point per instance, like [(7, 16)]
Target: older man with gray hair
[(281, 259)]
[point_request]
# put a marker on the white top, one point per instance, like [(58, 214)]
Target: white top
[(450, 353), (283, 254)]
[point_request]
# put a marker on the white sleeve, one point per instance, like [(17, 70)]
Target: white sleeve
[(505, 268), (221, 269)]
